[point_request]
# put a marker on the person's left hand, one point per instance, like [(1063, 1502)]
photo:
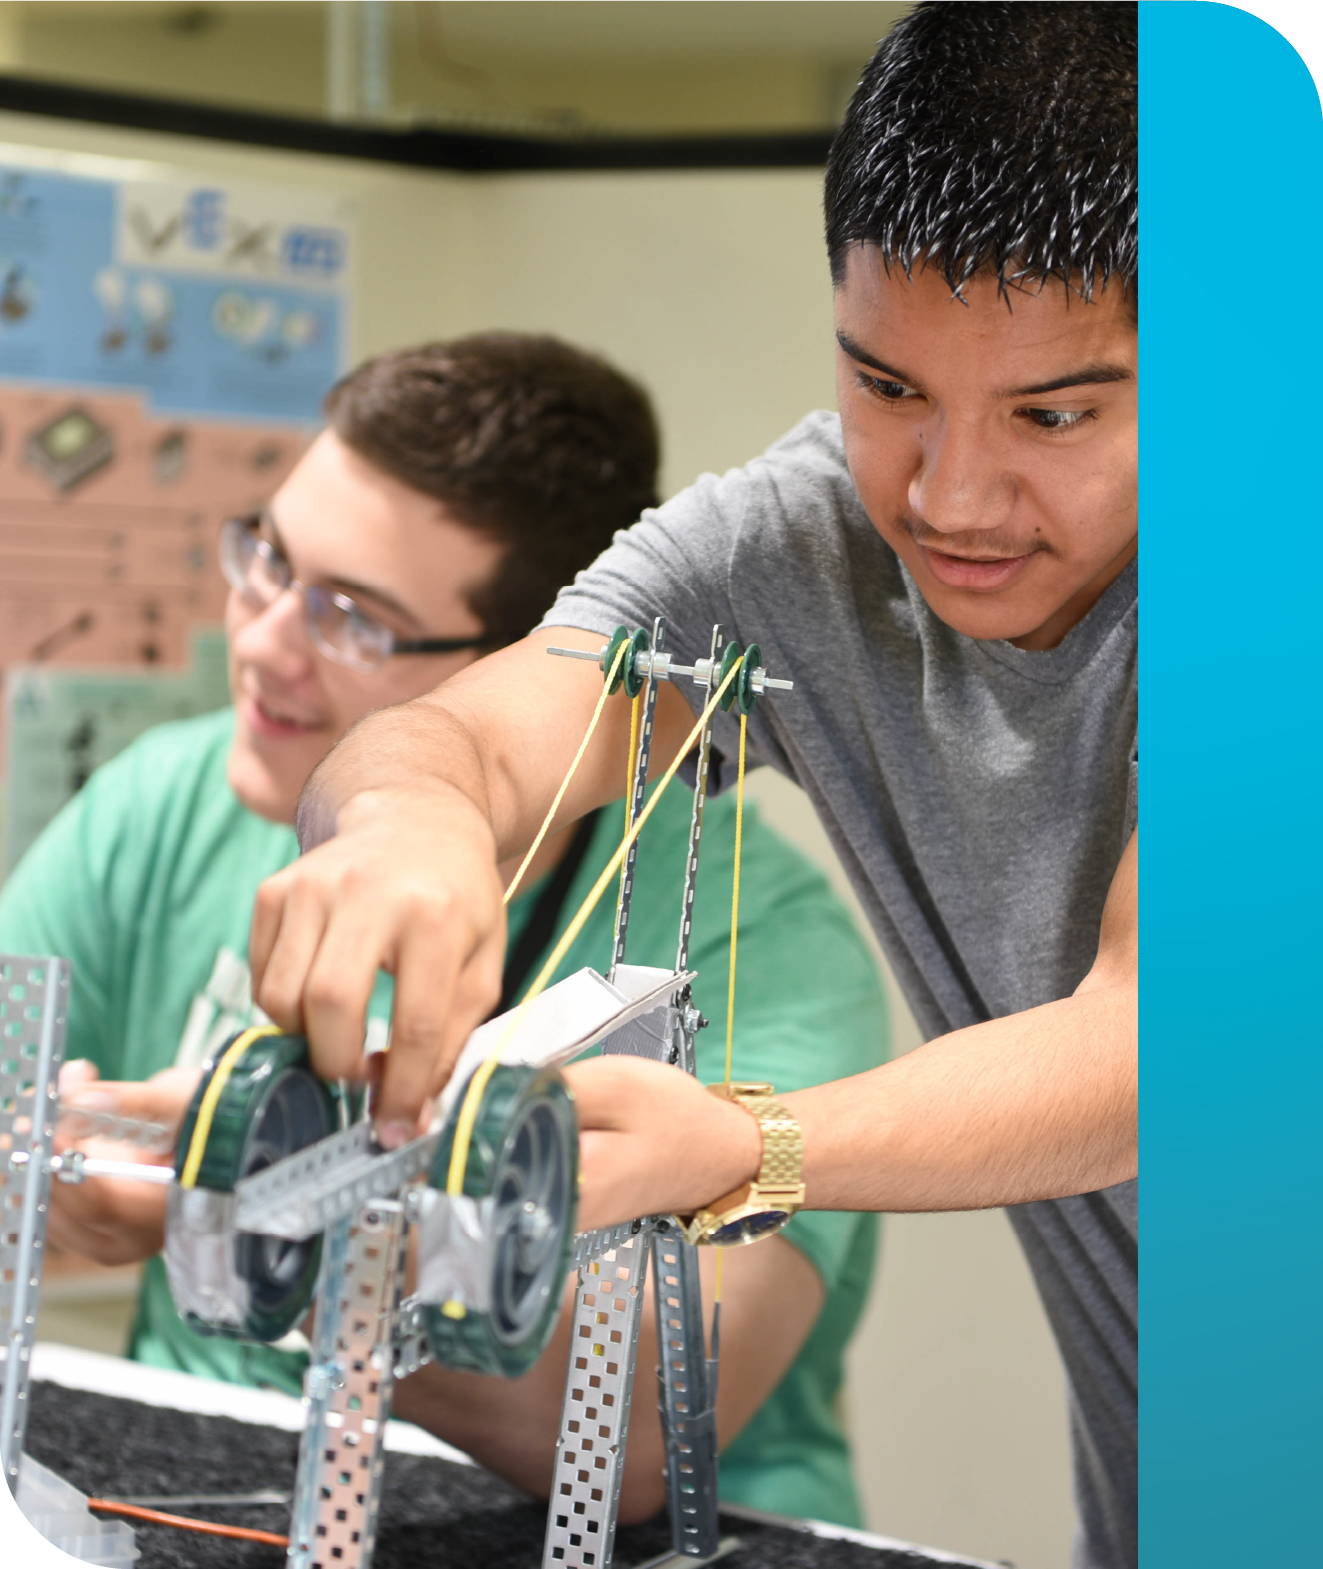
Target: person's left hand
[(652, 1141), (115, 1220)]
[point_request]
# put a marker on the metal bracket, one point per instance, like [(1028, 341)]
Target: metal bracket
[(599, 1385), (687, 1397), (347, 1391), (34, 1000)]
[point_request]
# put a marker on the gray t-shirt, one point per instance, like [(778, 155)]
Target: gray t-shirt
[(978, 796)]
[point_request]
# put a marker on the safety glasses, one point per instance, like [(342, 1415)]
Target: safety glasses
[(339, 626)]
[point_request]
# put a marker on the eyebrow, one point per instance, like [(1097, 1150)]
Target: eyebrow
[(345, 585), (1094, 374)]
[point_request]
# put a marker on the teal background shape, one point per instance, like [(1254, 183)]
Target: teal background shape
[(1231, 148)]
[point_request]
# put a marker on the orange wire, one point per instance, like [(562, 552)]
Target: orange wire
[(207, 1527)]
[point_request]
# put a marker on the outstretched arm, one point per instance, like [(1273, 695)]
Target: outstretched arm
[(1037, 1105), (405, 823)]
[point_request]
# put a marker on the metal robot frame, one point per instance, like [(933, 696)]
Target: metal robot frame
[(361, 1203)]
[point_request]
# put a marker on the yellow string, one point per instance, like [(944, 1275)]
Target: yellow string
[(211, 1096), (565, 783), (735, 892), (629, 785), (468, 1111), (734, 935)]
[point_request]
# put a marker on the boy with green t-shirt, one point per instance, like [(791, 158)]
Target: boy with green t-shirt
[(456, 488)]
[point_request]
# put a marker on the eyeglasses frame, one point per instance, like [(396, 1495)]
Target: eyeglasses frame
[(250, 522)]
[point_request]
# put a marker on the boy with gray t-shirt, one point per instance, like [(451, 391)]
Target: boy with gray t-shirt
[(948, 572)]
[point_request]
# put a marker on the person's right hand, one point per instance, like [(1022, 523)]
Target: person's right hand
[(653, 1141), (408, 885)]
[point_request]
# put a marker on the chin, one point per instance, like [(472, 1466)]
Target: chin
[(257, 791), (986, 622)]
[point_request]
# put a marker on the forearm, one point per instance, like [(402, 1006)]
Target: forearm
[(497, 739), (1036, 1105), (423, 745)]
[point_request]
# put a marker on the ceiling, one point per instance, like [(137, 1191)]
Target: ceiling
[(557, 29), (647, 66)]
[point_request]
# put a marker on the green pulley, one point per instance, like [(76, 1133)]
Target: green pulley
[(619, 636), (231, 1283), (753, 657), (626, 676), (523, 1171), (729, 658)]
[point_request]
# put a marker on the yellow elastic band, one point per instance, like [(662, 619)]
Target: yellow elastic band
[(468, 1111), (629, 785), (734, 934), (735, 892), (565, 783), (211, 1097)]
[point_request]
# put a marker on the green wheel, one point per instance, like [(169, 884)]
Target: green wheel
[(234, 1283), (743, 683), (524, 1155), (729, 658)]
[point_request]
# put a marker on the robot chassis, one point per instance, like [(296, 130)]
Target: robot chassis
[(286, 1207)]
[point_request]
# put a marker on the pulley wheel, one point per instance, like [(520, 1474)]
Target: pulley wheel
[(753, 657), (272, 1105), (524, 1157)]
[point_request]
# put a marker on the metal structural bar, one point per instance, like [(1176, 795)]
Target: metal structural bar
[(696, 818), (599, 1385), (314, 1188), (347, 1391), (34, 1002), (687, 1396), (636, 806)]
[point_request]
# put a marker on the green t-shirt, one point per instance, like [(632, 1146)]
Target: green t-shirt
[(146, 882)]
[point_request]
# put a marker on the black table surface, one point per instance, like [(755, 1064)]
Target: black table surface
[(433, 1512)]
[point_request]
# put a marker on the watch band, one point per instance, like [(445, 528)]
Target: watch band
[(782, 1163)]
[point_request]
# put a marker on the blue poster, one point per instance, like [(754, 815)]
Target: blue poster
[(209, 300)]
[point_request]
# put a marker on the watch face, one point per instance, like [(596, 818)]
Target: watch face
[(749, 1228)]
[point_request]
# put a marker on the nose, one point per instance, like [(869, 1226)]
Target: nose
[(960, 484), (272, 636)]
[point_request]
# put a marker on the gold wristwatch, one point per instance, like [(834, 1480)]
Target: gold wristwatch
[(758, 1208)]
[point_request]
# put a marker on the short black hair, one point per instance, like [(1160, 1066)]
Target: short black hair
[(543, 447), (998, 138)]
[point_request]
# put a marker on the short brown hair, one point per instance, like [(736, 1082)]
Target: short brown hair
[(546, 448)]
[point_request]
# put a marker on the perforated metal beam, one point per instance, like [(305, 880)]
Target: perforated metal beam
[(34, 1000), (348, 1388)]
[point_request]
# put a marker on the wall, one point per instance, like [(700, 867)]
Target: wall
[(713, 289)]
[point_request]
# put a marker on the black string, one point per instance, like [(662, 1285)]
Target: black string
[(541, 925)]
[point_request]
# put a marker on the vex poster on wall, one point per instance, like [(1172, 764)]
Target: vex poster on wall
[(164, 348)]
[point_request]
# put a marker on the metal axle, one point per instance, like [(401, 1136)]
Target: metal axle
[(650, 666)]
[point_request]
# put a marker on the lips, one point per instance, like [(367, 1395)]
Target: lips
[(266, 718), (974, 572)]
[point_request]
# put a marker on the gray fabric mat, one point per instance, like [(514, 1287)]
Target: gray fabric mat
[(434, 1514)]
